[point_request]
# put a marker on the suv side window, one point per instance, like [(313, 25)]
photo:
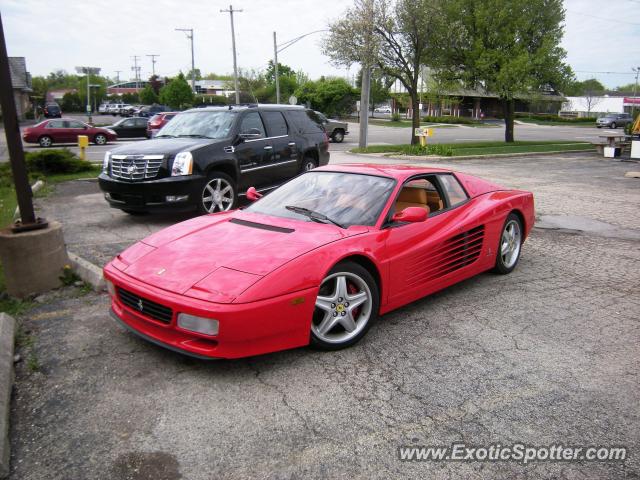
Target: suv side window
[(453, 189), (276, 125), (250, 121), (304, 121)]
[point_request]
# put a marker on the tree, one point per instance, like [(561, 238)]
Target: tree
[(333, 97), (177, 93), (156, 84), (283, 71), (148, 96), (197, 72), (628, 88), (506, 47), (395, 37)]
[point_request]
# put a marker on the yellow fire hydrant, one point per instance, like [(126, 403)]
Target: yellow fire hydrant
[(83, 143)]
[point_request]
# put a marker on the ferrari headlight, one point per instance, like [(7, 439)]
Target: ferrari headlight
[(207, 326), (105, 162), (182, 164)]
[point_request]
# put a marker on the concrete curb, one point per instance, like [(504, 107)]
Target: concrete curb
[(424, 158), (7, 335), (87, 271)]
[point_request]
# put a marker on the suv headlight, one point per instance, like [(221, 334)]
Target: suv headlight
[(182, 164), (105, 162)]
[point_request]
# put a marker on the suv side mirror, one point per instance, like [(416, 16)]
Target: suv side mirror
[(253, 194), (251, 134), (411, 215)]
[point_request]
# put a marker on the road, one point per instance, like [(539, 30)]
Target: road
[(378, 135), (546, 355)]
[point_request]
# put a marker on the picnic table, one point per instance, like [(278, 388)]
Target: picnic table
[(612, 138)]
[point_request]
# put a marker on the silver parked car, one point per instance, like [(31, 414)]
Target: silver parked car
[(614, 120)]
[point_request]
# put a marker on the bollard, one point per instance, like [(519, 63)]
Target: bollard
[(83, 143)]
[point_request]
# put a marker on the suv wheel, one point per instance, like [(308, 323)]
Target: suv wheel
[(338, 136), (309, 163), (218, 194)]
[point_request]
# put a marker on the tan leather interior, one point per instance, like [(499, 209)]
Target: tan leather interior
[(434, 201), (412, 197)]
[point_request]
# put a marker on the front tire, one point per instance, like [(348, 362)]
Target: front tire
[(347, 305), (510, 245), (338, 136), (100, 139), (45, 141), (613, 125), (218, 194)]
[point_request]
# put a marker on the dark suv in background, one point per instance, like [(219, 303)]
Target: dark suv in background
[(205, 157)]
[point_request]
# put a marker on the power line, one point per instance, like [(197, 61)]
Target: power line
[(603, 18), (605, 73)]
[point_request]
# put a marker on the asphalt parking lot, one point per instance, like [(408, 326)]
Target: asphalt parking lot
[(546, 355)]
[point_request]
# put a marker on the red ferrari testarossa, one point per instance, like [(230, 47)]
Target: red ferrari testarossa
[(316, 260)]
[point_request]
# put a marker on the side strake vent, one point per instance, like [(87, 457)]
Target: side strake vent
[(452, 254), (261, 226)]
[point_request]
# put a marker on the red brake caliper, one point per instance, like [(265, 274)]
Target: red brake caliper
[(352, 289)]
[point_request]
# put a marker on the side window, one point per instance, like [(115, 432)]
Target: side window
[(420, 192), (304, 122), (276, 126), (74, 124), (453, 189), (252, 121), (55, 124), (141, 122), (128, 123)]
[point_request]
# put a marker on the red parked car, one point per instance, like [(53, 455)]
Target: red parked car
[(316, 260), (66, 130), (158, 121)]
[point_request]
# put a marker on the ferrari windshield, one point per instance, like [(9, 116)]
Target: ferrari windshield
[(329, 197), (204, 124)]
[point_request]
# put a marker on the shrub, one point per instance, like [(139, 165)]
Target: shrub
[(47, 162), (395, 117), (434, 149), (428, 119)]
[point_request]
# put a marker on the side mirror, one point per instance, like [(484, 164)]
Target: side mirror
[(411, 215), (253, 194), (251, 134)]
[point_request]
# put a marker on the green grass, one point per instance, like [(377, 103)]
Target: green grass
[(478, 148), (551, 123)]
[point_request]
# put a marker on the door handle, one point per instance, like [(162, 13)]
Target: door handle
[(268, 147), (292, 144)]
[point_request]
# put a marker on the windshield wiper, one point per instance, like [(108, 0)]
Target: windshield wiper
[(316, 216), (193, 135)]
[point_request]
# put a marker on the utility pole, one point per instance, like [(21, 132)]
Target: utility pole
[(118, 76), (275, 66), (231, 11), (14, 143), (189, 33), (365, 87), (153, 64), (136, 70), (635, 90)]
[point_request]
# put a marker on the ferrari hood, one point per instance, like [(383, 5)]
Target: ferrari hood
[(217, 257)]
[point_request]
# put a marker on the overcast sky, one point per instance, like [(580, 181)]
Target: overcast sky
[(61, 34)]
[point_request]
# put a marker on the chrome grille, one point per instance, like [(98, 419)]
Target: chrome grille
[(135, 167)]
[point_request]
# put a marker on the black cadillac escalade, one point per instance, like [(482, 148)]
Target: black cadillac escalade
[(205, 158)]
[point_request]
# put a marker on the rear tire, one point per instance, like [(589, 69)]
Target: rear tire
[(509, 245), (338, 136), (613, 125), (45, 141), (309, 163), (100, 139), (347, 305)]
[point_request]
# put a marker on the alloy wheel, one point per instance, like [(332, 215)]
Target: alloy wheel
[(510, 243), (217, 195)]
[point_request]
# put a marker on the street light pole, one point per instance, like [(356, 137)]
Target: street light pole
[(276, 50), (88, 71), (193, 64), (635, 89), (275, 66), (233, 45)]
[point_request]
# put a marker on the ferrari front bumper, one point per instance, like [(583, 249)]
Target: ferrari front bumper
[(246, 329)]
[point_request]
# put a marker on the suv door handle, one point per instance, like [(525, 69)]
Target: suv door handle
[(268, 147)]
